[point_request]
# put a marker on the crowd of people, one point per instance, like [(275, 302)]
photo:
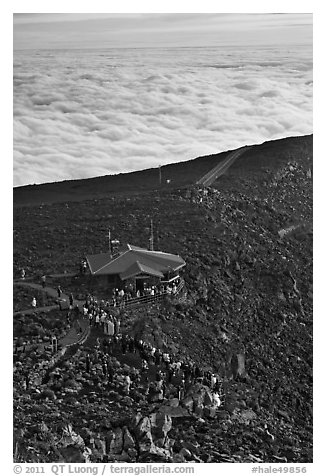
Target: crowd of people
[(160, 375), (154, 373), (99, 315), (120, 296), (172, 374), (169, 374)]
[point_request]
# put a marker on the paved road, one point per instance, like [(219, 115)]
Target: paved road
[(221, 168)]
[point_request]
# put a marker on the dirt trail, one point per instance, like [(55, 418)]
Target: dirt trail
[(48, 290)]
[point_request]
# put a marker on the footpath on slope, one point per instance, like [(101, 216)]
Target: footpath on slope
[(48, 290), (73, 336)]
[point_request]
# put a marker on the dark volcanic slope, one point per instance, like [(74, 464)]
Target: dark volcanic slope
[(250, 291), (269, 154)]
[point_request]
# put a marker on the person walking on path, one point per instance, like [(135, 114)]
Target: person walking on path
[(27, 380), (34, 302), (59, 291), (117, 324), (43, 279), (88, 363), (23, 274), (110, 328), (71, 300)]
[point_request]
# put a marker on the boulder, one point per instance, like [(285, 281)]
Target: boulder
[(100, 446), (128, 441), (133, 453), (161, 424), (124, 457), (72, 454), (116, 444), (208, 399), (141, 425), (144, 425), (174, 412), (185, 453), (146, 442), (161, 452), (166, 443), (188, 403), (178, 458), (209, 412), (199, 410), (238, 365), (174, 402), (248, 415), (192, 447)]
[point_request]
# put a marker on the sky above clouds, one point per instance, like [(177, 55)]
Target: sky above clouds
[(90, 100), (91, 30)]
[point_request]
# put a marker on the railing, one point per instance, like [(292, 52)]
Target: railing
[(144, 300)]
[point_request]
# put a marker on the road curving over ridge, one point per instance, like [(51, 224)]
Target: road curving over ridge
[(220, 169)]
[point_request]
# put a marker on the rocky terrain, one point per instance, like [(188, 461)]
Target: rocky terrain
[(247, 316)]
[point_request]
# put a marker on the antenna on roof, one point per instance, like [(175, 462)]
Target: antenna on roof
[(151, 238), (110, 249), (110, 244)]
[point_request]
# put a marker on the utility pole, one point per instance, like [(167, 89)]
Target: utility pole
[(160, 175), (109, 236), (151, 239)]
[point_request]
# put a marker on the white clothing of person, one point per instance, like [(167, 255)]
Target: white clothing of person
[(110, 328), (216, 399), (166, 357)]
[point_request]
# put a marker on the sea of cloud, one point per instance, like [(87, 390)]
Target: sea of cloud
[(84, 113)]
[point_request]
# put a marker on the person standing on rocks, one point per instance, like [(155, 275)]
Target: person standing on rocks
[(182, 389), (110, 346), (117, 326), (104, 368), (146, 387), (68, 318), (124, 345), (166, 359), (163, 388), (131, 345), (27, 380), (88, 363), (110, 374), (59, 291), (71, 300), (97, 320), (127, 382), (144, 365)]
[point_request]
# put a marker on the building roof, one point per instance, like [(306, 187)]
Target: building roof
[(138, 268), (134, 260)]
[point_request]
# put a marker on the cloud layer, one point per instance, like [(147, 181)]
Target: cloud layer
[(82, 113)]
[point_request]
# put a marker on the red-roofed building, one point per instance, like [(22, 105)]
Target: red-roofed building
[(136, 264)]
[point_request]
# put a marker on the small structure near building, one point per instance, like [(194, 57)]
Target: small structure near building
[(136, 266)]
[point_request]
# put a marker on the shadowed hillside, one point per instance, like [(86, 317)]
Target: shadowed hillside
[(267, 155), (247, 243)]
